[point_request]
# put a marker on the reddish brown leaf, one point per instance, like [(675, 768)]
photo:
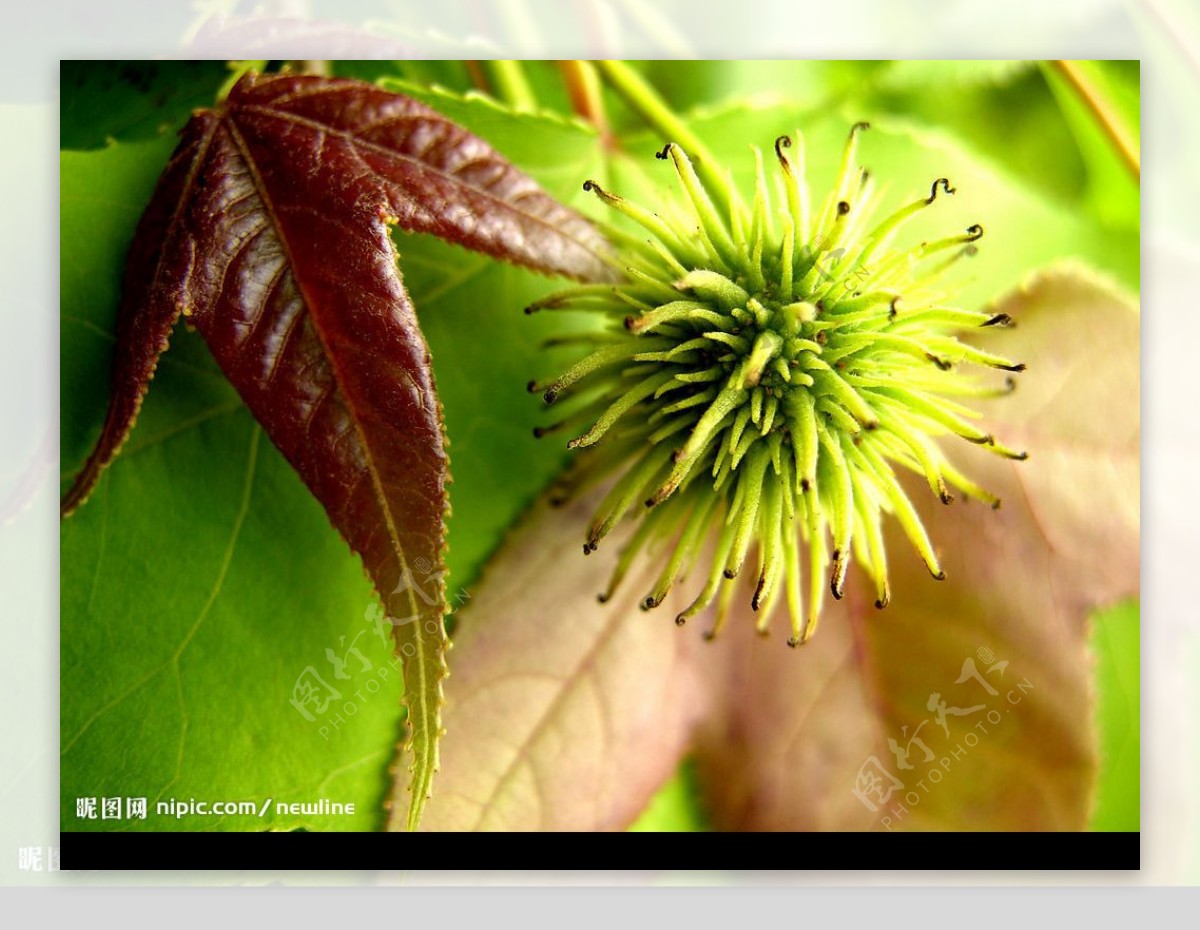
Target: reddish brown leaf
[(334, 145), (270, 230)]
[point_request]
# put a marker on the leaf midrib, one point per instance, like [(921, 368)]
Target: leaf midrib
[(415, 695)]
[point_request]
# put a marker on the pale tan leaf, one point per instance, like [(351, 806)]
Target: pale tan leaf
[(800, 733), (561, 713)]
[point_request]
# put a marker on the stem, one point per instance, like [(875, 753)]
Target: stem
[(478, 77), (1109, 121), (646, 102), (510, 84), (237, 70), (583, 85), (317, 66)]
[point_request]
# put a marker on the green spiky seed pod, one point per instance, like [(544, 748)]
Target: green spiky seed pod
[(758, 377)]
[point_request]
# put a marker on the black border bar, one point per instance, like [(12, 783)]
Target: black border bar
[(822, 851)]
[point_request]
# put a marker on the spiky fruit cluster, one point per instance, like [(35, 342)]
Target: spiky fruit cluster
[(760, 374)]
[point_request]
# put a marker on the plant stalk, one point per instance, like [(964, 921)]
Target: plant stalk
[(650, 106)]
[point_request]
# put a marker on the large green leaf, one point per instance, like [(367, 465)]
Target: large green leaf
[(1116, 646), (675, 808), (201, 580)]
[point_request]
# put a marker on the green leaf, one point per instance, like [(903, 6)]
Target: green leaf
[(932, 76), (675, 808), (1027, 121), (1003, 112), (1116, 645), (809, 84), (1024, 230), (202, 580), (131, 100)]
